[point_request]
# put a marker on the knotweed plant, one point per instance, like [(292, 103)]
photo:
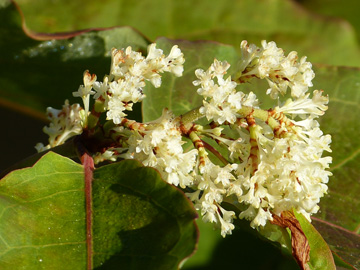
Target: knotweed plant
[(262, 160)]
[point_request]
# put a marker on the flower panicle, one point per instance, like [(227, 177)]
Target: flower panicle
[(266, 160)]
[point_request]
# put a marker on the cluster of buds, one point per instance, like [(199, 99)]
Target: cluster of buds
[(266, 161)]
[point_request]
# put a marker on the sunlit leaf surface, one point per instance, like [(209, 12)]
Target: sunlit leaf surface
[(42, 222)]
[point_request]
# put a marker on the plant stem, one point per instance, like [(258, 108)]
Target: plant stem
[(264, 115), (261, 114), (88, 164), (89, 167), (191, 116), (215, 152), (199, 145)]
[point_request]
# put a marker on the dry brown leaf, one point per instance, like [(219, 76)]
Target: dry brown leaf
[(300, 244)]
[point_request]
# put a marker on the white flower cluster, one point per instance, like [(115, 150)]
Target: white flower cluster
[(212, 183), (272, 161), (159, 145), (64, 124), (289, 172), (221, 100), (278, 164), (270, 63), (129, 70)]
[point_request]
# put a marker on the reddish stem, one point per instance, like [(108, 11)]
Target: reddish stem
[(88, 164), (215, 152)]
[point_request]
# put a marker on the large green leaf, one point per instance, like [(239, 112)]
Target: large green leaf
[(324, 40), (139, 221)]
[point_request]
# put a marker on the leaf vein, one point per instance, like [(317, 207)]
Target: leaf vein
[(346, 160), (346, 102), (54, 194), (41, 246), (37, 176)]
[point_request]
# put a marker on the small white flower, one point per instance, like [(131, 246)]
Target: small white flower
[(41, 147), (261, 218), (101, 88), (129, 71), (226, 218), (85, 90), (221, 100), (161, 148), (175, 61), (64, 124), (281, 72), (116, 110)]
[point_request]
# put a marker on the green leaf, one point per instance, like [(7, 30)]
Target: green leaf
[(323, 39), (36, 74), (340, 263), (344, 244), (140, 222), (343, 86), (340, 209), (320, 254), (42, 222)]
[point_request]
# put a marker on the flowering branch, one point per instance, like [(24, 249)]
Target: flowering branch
[(271, 160)]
